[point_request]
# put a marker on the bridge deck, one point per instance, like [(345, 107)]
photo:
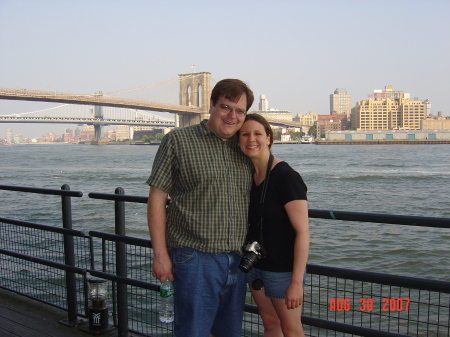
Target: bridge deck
[(96, 99)]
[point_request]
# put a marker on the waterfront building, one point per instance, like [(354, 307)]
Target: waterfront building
[(363, 135), (51, 137), (87, 133), (435, 123), (341, 102), (18, 139), (110, 135), (308, 119), (124, 132), (333, 122), (283, 115), (388, 110), (264, 111), (285, 137), (141, 131)]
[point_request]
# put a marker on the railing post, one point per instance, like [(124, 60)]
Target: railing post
[(121, 267), (69, 257)]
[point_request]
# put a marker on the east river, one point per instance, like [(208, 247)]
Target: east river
[(391, 179)]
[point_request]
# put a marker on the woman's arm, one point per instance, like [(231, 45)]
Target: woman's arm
[(297, 211)]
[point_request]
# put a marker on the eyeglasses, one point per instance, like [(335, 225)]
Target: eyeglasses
[(227, 109)]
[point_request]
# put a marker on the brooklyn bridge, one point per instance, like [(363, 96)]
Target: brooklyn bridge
[(100, 109)]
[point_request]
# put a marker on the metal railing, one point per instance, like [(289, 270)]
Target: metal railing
[(338, 302)]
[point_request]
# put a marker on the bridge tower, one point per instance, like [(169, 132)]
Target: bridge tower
[(98, 128), (195, 90)]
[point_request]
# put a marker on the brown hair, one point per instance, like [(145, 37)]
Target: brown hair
[(261, 120), (232, 89)]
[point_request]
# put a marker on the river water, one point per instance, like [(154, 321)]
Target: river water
[(392, 179)]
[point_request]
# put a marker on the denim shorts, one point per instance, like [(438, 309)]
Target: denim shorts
[(275, 283)]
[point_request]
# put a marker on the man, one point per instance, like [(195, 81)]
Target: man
[(197, 242)]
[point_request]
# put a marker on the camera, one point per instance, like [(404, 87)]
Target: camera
[(253, 251)]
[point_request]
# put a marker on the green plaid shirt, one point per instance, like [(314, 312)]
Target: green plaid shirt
[(209, 182)]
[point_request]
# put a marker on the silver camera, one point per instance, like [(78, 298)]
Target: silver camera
[(253, 251)]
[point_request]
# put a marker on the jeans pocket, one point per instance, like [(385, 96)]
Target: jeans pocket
[(182, 255)]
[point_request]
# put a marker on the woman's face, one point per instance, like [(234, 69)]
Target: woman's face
[(253, 139)]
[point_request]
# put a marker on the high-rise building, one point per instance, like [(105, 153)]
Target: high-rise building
[(341, 102), (9, 136), (388, 93), (388, 110), (428, 105), (68, 136), (263, 103)]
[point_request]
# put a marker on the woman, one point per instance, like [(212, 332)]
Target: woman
[(278, 220)]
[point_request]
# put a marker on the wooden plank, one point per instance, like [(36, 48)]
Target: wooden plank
[(21, 316)]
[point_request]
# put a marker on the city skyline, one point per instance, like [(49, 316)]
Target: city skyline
[(339, 103), (296, 53)]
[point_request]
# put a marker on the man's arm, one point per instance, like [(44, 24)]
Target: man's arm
[(156, 218)]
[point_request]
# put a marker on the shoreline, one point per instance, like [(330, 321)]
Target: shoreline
[(320, 142), (381, 142)]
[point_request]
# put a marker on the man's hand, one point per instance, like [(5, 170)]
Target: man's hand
[(162, 268)]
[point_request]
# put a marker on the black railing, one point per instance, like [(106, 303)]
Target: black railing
[(68, 237), (338, 302)]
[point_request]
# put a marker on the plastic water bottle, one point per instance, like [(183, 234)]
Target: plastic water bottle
[(166, 303)]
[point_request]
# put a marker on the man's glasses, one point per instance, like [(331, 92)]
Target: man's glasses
[(227, 109)]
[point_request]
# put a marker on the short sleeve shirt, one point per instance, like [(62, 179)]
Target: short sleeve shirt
[(209, 182), (285, 185)]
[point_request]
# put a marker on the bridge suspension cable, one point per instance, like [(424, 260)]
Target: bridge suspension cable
[(157, 84), (143, 87)]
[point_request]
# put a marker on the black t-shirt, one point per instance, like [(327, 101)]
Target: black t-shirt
[(285, 185)]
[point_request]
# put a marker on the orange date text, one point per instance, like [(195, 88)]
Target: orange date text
[(369, 304)]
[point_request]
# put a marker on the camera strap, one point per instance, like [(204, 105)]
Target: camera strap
[(263, 195)]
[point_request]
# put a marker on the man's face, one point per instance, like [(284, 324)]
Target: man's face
[(226, 123)]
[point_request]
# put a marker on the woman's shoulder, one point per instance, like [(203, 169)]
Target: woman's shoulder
[(283, 167), (287, 175)]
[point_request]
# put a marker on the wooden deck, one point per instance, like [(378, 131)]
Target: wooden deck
[(24, 317)]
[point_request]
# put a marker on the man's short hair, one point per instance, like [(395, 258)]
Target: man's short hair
[(232, 89)]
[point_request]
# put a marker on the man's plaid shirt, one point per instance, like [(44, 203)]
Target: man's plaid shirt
[(209, 182)]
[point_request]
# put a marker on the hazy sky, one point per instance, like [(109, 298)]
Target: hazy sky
[(294, 52)]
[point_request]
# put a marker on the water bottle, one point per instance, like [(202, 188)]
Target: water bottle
[(166, 303)]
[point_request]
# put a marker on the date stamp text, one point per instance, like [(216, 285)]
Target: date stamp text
[(369, 304)]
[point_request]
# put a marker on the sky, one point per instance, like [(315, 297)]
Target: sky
[(294, 52)]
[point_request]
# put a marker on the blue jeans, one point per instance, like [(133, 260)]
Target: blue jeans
[(209, 295)]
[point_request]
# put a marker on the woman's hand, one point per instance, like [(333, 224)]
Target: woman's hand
[(294, 296)]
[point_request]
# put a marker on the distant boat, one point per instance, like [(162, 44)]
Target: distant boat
[(307, 139)]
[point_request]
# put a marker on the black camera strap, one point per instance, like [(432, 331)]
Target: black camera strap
[(263, 195)]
